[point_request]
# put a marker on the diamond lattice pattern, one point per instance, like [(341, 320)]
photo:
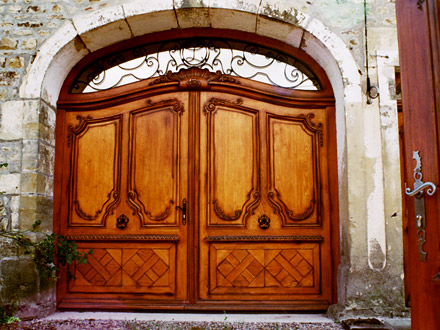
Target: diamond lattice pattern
[(287, 268), (127, 267)]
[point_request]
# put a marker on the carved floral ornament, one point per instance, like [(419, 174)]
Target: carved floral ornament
[(220, 60)]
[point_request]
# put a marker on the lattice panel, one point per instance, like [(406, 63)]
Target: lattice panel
[(127, 270), (265, 268)]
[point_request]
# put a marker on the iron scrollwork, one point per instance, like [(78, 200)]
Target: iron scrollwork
[(419, 202), (223, 57)]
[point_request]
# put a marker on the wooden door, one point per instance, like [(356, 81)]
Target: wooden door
[(253, 169), (264, 227), (124, 172), (418, 29)]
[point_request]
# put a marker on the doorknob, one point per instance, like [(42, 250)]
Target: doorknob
[(419, 202), (183, 209)]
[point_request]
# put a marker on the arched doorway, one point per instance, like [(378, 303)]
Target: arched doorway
[(198, 187)]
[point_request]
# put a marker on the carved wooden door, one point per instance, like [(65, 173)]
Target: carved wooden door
[(264, 208), (125, 171), (198, 191)]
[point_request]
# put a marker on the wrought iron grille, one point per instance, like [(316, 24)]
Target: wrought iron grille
[(229, 57)]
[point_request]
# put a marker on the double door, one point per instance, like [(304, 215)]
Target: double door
[(197, 200)]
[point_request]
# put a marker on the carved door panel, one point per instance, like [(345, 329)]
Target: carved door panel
[(264, 226), (125, 171)]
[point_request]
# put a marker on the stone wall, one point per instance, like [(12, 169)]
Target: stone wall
[(41, 40)]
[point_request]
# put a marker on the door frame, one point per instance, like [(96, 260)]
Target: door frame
[(323, 98)]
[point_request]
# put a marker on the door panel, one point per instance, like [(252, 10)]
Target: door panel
[(280, 249), (261, 268), (232, 162), (128, 268), (154, 187), (293, 163), (94, 180), (131, 162)]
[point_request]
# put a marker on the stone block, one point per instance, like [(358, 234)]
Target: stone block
[(34, 208), (33, 183), (7, 248), (188, 17), (20, 279), (140, 7), (9, 78), (29, 44), (190, 3), (10, 183), (108, 21), (60, 66), (38, 156), (7, 43), (30, 155), (157, 21), (15, 9), (237, 20), (24, 32), (32, 82), (382, 38), (46, 159), (338, 49), (250, 6), (10, 152), (31, 113), (11, 125), (281, 31), (283, 11), (3, 94), (47, 124), (16, 62), (19, 119), (14, 209), (49, 187)]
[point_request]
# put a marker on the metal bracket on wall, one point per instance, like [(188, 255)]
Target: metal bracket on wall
[(419, 202)]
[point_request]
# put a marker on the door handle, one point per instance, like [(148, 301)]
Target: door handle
[(183, 209), (419, 202)]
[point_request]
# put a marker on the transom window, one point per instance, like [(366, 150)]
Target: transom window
[(217, 55)]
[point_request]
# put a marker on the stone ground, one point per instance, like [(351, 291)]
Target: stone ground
[(162, 325), (184, 321)]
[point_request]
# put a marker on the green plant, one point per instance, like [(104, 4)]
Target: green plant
[(6, 314), (49, 251)]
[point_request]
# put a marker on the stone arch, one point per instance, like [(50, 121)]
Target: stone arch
[(82, 35)]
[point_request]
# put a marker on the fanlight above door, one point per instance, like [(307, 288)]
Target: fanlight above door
[(216, 55)]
